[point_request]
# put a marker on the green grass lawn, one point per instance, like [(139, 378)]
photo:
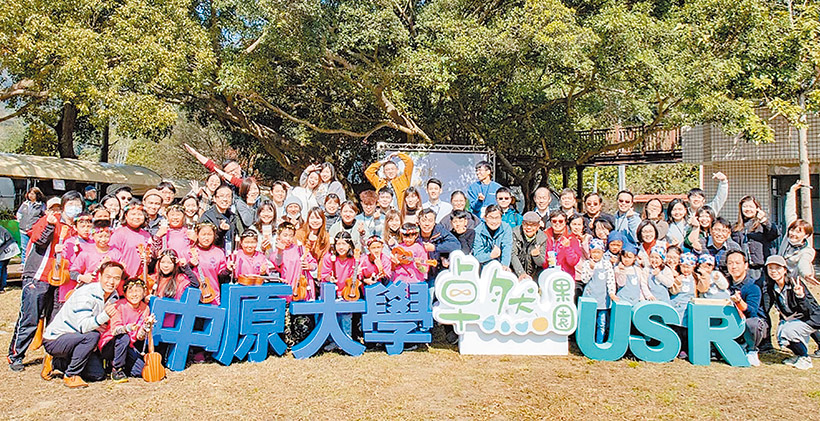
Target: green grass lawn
[(437, 383)]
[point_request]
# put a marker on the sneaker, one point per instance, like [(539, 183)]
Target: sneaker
[(452, 338), (803, 363), (815, 354), (754, 361), (74, 382), (16, 365), (791, 361), (45, 373), (683, 355), (331, 347), (118, 376)]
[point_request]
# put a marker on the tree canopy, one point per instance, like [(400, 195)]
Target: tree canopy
[(309, 80)]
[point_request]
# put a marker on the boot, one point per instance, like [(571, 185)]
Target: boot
[(47, 368), (75, 382)]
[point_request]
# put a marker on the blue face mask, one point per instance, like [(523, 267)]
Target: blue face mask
[(73, 211)]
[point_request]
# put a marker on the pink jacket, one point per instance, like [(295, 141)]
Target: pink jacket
[(125, 315), (369, 268), (567, 256)]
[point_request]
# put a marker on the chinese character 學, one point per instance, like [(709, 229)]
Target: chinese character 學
[(327, 311), (257, 315), (183, 334), (395, 313)]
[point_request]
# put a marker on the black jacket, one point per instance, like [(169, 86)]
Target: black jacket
[(805, 308), (758, 242)]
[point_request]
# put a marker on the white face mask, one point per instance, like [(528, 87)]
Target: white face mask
[(73, 211)]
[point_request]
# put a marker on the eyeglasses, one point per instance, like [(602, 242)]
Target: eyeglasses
[(558, 221)]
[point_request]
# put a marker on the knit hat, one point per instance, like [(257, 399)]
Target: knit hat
[(659, 250), (706, 258), (688, 259), (293, 200)]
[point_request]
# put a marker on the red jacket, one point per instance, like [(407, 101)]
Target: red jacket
[(567, 256), (40, 250)]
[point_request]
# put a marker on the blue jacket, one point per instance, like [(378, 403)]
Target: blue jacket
[(488, 190), (484, 242), (512, 217), (628, 226), (751, 294)]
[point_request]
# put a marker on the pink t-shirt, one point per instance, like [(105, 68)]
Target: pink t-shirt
[(211, 263), (125, 315), (290, 267), (410, 273), (340, 268), (369, 268), (72, 248), (257, 264), (182, 283), (177, 240), (88, 261), (126, 241)]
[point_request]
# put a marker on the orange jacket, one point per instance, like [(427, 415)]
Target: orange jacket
[(400, 183)]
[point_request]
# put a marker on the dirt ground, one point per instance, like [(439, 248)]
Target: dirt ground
[(438, 383)]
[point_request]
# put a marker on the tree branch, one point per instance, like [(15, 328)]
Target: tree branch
[(22, 88)]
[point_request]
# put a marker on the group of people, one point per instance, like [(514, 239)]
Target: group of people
[(89, 265)]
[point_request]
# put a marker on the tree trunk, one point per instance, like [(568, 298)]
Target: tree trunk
[(564, 177), (105, 142), (579, 185), (805, 175), (65, 136)]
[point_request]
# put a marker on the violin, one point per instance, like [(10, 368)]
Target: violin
[(351, 290), (405, 257), (59, 270)]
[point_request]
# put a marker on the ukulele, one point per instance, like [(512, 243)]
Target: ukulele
[(153, 370), (59, 270), (351, 290), (208, 293), (300, 288), (405, 257), (149, 282)]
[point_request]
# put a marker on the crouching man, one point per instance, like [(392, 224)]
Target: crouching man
[(71, 338)]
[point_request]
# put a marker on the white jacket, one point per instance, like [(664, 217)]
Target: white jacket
[(83, 312)]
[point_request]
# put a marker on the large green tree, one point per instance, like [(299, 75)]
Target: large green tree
[(309, 80)]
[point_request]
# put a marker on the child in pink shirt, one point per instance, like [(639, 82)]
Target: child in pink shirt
[(376, 265), (72, 248), (413, 270), (175, 235), (338, 264), (208, 260), (84, 266), (127, 238), (292, 261), (249, 261), (129, 324)]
